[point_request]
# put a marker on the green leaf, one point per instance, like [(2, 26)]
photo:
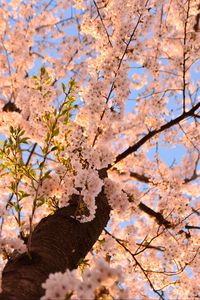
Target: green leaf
[(24, 140), (39, 88), (40, 201), (17, 207), (54, 148), (47, 94), (56, 132), (102, 241), (63, 87), (11, 129), (83, 263), (48, 80), (12, 187), (20, 132), (41, 164), (46, 175), (22, 194), (42, 71)]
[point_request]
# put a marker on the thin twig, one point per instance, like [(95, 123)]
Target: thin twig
[(184, 55), (116, 73), (102, 22)]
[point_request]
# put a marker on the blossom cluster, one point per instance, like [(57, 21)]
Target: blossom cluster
[(117, 198), (90, 184), (101, 277), (8, 244)]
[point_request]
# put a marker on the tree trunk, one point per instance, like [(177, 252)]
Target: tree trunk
[(58, 242)]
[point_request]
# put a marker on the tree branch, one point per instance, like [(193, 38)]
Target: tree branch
[(140, 177), (157, 215), (102, 22), (152, 133)]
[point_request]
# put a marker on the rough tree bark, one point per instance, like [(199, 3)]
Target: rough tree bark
[(58, 242)]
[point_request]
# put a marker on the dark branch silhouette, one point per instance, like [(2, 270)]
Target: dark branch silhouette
[(152, 133), (197, 19), (157, 215), (10, 107)]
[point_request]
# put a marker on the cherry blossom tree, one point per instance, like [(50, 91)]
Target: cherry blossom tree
[(93, 92)]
